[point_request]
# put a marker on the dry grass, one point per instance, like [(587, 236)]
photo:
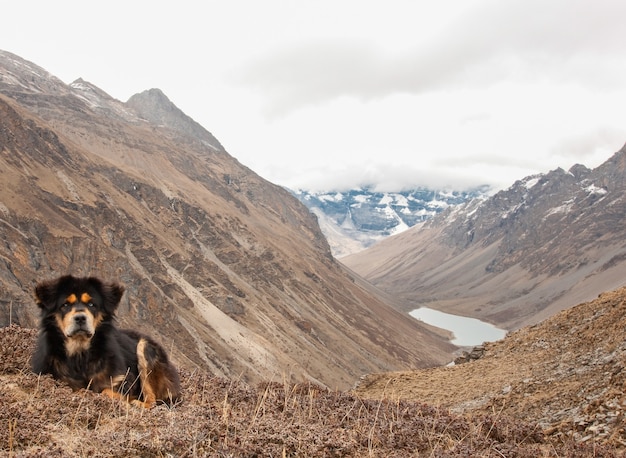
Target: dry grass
[(223, 418)]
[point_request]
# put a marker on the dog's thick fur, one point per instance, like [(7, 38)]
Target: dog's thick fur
[(80, 344)]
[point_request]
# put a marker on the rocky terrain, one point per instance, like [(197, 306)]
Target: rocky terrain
[(566, 375), (354, 220), (230, 272), (228, 418), (516, 258)]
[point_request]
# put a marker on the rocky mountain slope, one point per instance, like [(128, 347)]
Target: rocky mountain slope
[(516, 258), (566, 375), (228, 271), (354, 220)]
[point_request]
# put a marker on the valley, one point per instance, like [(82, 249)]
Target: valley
[(236, 278), (515, 258)]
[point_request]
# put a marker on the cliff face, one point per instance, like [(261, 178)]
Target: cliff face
[(230, 272)]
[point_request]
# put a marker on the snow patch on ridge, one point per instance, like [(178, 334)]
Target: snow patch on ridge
[(564, 208), (593, 189)]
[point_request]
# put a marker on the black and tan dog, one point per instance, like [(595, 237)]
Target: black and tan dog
[(80, 344)]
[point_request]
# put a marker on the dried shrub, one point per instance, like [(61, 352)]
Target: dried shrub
[(17, 346)]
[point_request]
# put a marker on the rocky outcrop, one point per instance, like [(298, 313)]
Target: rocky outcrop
[(475, 353)]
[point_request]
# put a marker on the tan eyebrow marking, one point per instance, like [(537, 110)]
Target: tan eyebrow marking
[(71, 299), (85, 298)]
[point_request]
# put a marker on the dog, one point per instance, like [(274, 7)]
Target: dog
[(80, 345)]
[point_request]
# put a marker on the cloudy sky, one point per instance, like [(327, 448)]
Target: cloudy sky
[(332, 94)]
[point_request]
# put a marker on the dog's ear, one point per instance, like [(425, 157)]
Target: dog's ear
[(46, 292), (111, 296)]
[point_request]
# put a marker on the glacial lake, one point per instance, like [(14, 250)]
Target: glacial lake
[(468, 332)]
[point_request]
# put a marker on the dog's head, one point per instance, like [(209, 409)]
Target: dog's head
[(78, 306)]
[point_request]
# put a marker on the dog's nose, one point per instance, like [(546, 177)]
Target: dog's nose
[(80, 318)]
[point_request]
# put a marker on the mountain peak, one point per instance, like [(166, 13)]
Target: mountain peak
[(154, 106), (101, 102), (579, 171), (153, 98)]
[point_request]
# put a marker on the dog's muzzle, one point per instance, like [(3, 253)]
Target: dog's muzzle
[(80, 325)]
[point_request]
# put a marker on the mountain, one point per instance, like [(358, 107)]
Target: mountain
[(230, 272), (547, 242), (354, 220)]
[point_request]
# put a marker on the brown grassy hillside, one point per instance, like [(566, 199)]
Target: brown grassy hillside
[(566, 375), (221, 418)]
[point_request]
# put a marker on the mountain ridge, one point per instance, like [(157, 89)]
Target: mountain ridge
[(523, 254)]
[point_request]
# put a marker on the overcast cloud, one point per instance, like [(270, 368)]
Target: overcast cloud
[(516, 41), (335, 94)]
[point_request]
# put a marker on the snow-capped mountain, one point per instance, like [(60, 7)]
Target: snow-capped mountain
[(546, 242), (355, 219)]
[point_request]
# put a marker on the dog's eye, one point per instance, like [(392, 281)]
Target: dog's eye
[(90, 304), (65, 304)]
